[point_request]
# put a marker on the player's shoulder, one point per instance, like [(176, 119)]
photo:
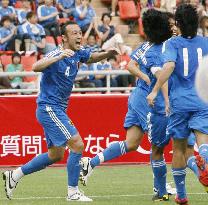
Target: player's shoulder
[(83, 50), (53, 53), (141, 50)]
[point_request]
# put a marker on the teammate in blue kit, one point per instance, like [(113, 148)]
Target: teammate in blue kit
[(147, 56), (59, 69), (182, 56)]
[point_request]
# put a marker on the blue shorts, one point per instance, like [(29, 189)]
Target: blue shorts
[(58, 128), (137, 109), (182, 124), (157, 125), (191, 139)]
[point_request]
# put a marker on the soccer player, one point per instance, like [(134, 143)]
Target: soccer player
[(59, 69), (145, 58), (182, 56)]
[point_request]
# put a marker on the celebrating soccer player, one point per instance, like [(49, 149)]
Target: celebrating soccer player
[(59, 69), (182, 56)]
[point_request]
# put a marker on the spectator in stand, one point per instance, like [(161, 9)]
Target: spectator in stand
[(33, 36), (90, 37), (48, 18), (204, 11), (6, 10), (12, 2), (21, 13), (100, 80), (168, 5), (114, 4), (84, 14), (110, 37), (16, 66), (66, 8), (39, 3), (122, 80), (83, 81), (4, 81), (7, 34), (203, 29)]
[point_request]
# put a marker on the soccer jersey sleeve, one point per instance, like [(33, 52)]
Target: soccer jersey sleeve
[(84, 55), (169, 51)]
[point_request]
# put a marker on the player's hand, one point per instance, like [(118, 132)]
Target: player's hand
[(167, 110), (114, 51), (66, 53), (151, 98)]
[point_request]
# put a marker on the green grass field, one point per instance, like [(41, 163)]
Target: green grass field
[(107, 185)]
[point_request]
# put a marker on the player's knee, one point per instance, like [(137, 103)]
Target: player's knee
[(56, 157), (78, 147), (157, 152), (132, 146)]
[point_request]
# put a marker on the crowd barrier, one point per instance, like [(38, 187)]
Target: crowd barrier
[(99, 119)]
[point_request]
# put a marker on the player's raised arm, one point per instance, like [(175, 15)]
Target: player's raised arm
[(166, 72), (134, 68), (96, 57), (42, 64)]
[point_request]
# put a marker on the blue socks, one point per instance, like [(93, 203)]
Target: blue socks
[(113, 151), (179, 175), (160, 171), (191, 163), (73, 168), (203, 151), (36, 164)]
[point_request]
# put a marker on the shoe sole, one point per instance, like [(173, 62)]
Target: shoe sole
[(5, 178)]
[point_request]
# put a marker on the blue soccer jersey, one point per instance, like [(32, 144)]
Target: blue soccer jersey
[(187, 54), (57, 80)]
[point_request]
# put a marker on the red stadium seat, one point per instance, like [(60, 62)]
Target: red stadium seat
[(5, 60), (141, 31), (27, 62), (18, 5), (128, 10), (62, 20), (59, 39), (50, 39)]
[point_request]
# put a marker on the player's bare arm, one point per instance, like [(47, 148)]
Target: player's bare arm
[(42, 64), (164, 90), (134, 68), (96, 57), (166, 72)]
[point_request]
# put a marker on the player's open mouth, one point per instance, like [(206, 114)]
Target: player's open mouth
[(78, 43)]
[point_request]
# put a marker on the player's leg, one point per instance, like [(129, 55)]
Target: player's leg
[(76, 147), (199, 123), (133, 139), (178, 128), (191, 158), (157, 124)]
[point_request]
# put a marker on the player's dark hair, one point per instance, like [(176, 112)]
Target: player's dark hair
[(63, 26), (187, 20), (5, 18), (106, 14), (170, 15), (156, 26)]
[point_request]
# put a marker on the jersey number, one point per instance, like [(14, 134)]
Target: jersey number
[(67, 71), (186, 59)]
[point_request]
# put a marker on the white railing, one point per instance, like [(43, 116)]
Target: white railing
[(107, 73)]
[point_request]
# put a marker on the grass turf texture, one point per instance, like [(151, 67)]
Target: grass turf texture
[(107, 185)]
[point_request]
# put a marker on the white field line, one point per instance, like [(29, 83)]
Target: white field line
[(103, 196)]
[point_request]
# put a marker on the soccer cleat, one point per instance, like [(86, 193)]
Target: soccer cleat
[(156, 197), (9, 183), (86, 170), (181, 201), (78, 196), (170, 189), (203, 171)]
